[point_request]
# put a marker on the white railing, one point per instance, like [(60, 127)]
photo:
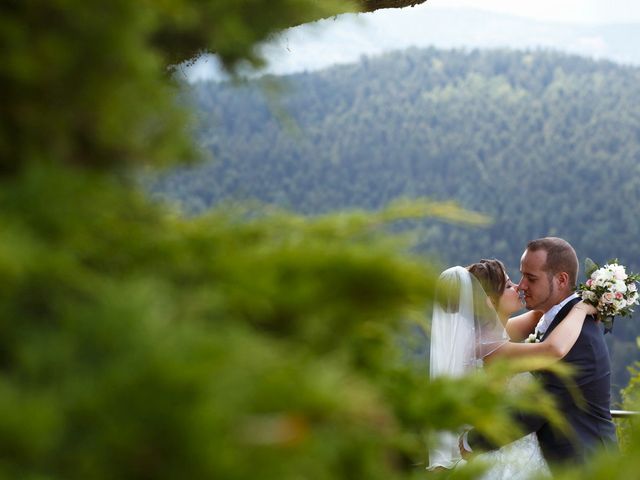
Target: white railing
[(623, 413)]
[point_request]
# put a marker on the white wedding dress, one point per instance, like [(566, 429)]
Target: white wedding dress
[(465, 329), (519, 460)]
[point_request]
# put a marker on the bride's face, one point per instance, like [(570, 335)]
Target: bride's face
[(509, 301)]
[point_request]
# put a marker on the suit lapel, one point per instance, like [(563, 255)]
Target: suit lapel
[(564, 311)]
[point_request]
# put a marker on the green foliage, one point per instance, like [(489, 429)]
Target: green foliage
[(83, 84), (142, 345), (589, 267), (231, 28), (611, 465), (631, 402), (137, 344)]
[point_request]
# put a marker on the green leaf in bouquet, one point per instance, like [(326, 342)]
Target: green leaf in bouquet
[(589, 267)]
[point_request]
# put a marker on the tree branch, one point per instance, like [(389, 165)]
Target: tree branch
[(371, 5)]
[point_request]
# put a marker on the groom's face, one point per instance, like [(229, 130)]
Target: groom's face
[(538, 289)]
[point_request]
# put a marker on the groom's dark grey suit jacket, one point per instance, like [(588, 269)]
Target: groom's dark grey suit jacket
[(590, 418)]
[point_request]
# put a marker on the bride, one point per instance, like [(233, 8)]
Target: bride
[(472, 323)]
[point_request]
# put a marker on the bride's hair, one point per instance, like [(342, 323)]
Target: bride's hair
[(492, 276)]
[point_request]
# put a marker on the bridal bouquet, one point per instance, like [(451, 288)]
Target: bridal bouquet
[(610, 289)]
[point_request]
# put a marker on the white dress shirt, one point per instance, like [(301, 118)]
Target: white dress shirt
[(550, 314)]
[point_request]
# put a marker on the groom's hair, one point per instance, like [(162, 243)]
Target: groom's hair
[(561, 257)]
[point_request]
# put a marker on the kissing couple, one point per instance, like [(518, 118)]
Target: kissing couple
[(473, 322)]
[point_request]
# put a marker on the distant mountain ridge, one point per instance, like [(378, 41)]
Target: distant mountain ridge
[(422, 122), (347, 38)]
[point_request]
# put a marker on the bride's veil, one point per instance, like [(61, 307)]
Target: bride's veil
[(464, 329)]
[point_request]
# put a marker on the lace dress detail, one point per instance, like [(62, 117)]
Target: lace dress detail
[(519, 460)]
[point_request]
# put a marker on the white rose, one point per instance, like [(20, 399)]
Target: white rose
[(619, 304), (618, 272), (619, 286), (632, 287), (603, 276)]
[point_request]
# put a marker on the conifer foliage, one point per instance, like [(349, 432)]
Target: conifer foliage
[(136, 344)]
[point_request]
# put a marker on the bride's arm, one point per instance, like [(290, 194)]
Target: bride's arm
[(556, 345), (518, 328)]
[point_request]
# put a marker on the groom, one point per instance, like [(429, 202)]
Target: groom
[(549, 268)]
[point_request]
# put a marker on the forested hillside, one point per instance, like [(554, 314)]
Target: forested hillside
[(544, 143)]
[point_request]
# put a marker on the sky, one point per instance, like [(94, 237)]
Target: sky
[(575, 26), (573, 11)]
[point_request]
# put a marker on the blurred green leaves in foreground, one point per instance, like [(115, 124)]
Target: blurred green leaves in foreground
[(136, 344)]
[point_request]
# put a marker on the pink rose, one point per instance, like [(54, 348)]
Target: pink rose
[(589, 282), (607, 297), (619, 296)]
